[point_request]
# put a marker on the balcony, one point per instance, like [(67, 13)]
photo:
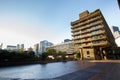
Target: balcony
[(76, 38), (87, 45), (75, 34), (75, 30), (86, 31), (99, 38), (95, 23), (97, 33), (96, 28), (94, 19), (83, 40), (102, 43), (84, 36)]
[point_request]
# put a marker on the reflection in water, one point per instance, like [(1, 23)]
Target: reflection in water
[(38, 71)]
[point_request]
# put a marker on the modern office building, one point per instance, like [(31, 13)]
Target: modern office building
[(92, 36), (68, 47), (44, 44), (36, 49), (115, 31)]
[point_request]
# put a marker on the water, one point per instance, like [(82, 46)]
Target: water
[(38, 71)]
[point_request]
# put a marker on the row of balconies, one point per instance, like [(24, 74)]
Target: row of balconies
[(86, 22), (89, 35), (90, 44), (86, 27), (90, 39), (87, 31), (92, 14)]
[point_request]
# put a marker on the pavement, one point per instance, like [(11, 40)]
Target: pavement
[(104, 70), (100, 70)]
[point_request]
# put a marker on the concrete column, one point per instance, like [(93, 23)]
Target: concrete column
[(105, 54), (81, 53)]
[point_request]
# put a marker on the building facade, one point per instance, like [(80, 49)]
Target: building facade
[(68, 47), (92, 36), (115, 31), (36, 49), (44, 44), (20, 47), (11, 47)]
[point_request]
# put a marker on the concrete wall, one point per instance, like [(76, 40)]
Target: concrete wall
[(88, 53)]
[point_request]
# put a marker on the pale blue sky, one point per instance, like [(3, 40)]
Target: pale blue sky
[(31, 21)]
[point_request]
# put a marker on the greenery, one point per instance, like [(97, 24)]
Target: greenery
[(77, 55), (15, 56)]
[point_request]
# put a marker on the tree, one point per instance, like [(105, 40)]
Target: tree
[(44, 56), (77, 55), (51, 51), (63, 55), (31, 53)]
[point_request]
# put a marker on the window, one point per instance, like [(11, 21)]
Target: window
[(88, 52)]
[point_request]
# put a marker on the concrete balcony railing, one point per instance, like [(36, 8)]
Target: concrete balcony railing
[(83, 40), (87, 45), (93, 19), (95, 23), (75, 38), (99, 38), (96, 28), (87, 35), (97, 33), (102, 43), (75, 34)]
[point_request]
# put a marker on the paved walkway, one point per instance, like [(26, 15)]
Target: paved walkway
[(103, 70)]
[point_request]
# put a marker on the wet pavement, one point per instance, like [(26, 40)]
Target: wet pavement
[(73, 70)]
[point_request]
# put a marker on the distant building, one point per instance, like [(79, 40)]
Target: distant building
[(11, 47), (20, 47), (67, 40), (16, 48), (67, 47), (92, 36), (44, 44), (115, 31), (117, 40), (36, 49)]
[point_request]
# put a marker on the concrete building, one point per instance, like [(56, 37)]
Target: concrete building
[(67, 47), (44, 44), (92, 36), (115, 31)]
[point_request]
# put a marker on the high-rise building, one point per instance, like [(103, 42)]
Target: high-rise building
[(20, 47), (92, 36), (115, 31), (36, 49), (44, 44)]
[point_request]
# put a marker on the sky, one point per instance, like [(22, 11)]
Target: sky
[(30, 21)]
